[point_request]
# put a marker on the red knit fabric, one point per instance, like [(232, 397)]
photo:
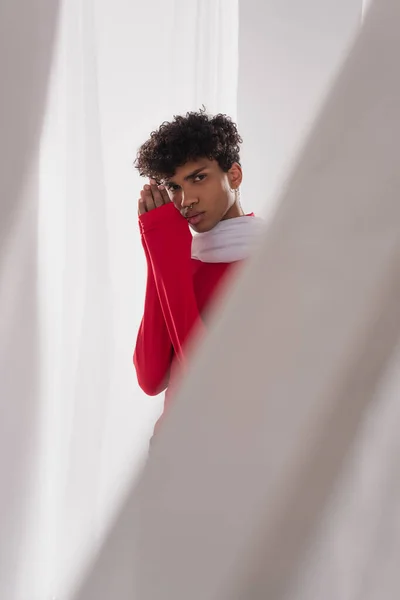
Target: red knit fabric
[(178, 291)]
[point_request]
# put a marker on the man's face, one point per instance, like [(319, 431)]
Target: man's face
[(201, 191)]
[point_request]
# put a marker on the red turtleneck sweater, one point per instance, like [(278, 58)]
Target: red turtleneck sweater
[(178, 291)]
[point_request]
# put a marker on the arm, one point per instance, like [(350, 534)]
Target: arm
[(153, 352), (168, 240)]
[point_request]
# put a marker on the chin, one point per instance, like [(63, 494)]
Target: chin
[(205, 225), (202, 227)]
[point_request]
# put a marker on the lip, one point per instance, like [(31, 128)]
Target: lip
[(195, 218)]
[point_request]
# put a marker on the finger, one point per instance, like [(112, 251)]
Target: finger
[(141, 207), (148, 197), (164, 193), (157, 197)]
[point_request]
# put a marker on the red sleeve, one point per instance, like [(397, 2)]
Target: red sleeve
[(153, 352), (168, 240)]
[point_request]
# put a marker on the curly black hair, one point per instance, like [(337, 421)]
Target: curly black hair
[(190, 137)]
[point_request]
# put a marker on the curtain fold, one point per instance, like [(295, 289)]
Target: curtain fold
[(27, 33), (73, 271), (283, 482)]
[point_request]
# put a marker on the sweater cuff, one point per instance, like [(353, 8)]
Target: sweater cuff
[(163, 216)]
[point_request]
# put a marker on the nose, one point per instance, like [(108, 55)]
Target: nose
[(188, 200)]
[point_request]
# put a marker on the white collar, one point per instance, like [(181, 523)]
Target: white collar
[(229, 241)]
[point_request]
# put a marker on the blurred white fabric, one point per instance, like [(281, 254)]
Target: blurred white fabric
[(82, 84), (276, 473), (74, 424)]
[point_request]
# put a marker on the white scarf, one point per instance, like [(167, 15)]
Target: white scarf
[(229, 241)]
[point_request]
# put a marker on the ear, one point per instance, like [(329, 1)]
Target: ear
[(235, 176)]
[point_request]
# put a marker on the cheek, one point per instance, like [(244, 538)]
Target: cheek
[(227, 199), (222, 198), (177, 200)]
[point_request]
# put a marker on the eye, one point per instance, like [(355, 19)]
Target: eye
[(199, 178), (172, 187)]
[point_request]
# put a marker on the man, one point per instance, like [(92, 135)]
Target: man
[(193, 165)]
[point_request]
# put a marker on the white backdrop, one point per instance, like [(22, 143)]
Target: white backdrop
[(119, 70), (74, 425), (295, 494), (300, 46)]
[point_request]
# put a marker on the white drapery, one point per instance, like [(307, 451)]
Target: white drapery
[(366, 4), (295, 494), (118, 70)]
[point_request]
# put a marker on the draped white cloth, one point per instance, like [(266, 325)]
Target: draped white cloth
[(74, 424), (229, 241), (27, 31), (276, 473)]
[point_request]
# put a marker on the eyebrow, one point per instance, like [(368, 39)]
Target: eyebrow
[(191, 175)]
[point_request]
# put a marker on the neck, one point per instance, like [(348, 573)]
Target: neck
[(234, 211)]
